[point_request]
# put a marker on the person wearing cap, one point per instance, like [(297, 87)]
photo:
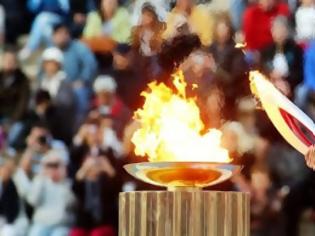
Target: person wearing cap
[(51, 196), (108, 104), (54, 80)]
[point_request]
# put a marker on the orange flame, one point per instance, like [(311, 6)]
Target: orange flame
[(171, 127)]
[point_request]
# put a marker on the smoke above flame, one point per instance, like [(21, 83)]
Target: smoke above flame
[(170, 127)]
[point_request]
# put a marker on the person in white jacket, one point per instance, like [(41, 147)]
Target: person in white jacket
[(305, 21), (51, 196)]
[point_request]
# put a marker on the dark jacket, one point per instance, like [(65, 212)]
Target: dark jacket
[(231, 69), (129, 88), (231, 75), (9, 201), (17, 19), (107, 195), (106, 188), (294, 56), (63, 110), (14, 95)]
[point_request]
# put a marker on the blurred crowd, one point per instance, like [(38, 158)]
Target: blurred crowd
[(65, 131)]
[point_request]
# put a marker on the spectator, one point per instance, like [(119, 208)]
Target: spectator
[(14, 89), (196, 17), (146, 43), (246, 115), (241, 146), (9, 199), (129, 82), (78, 11), (50, 195), (265, 205), (46, 112), (161, 6), (79, 65), (306, 89), (108, 104), (212, 102), (110, 21), (79, 62), (54, 80), (304, 93), (39, 142), (48, 13), (147, 36), (230, 66), (199, 69), (283, 59), (257, 21), (95, 167), (305, 21), (97, 196)]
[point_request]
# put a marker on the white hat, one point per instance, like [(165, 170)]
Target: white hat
[(105, 83), (161, 8), (56, 155), (53, 54)]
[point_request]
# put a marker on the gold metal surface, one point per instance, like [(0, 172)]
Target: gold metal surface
[(174, 175)]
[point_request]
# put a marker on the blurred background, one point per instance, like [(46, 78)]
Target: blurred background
[(70, 80)]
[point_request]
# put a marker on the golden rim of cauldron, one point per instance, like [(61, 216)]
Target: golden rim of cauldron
[(179, 175)]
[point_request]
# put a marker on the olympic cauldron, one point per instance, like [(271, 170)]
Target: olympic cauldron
[(185, 160)]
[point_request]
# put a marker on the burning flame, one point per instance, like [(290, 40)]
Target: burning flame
[(258, 80), (171, 127), (291, 122)]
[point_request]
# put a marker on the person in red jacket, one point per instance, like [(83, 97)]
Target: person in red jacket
[(257, 22)]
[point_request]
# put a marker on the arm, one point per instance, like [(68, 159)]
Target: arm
[(88, 64), (310, 157), (34, 196)]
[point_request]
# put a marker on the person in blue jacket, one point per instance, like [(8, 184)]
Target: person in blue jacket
[(308, 86), (80, 66)]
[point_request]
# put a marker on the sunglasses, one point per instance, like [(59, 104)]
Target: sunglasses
[(52, 165)]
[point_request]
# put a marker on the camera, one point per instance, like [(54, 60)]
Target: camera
[(43, 140)]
